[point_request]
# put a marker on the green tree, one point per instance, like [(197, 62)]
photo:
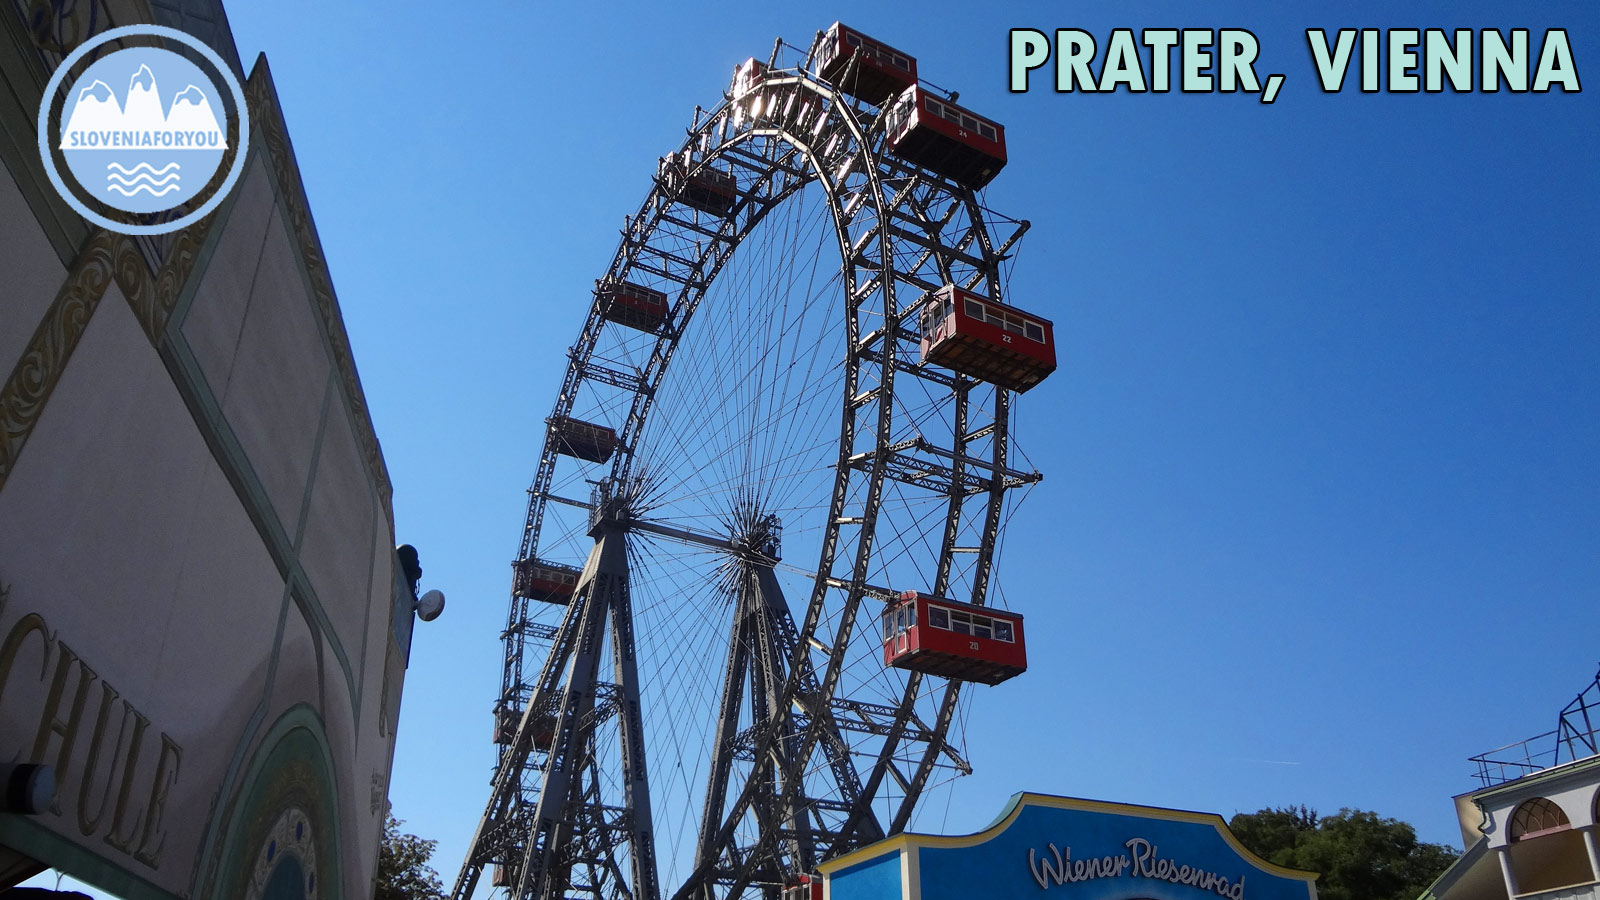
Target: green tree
[(1358, 855), (403, 870), (1273, 834)]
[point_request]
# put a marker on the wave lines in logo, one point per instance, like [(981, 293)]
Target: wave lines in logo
[(143, 151), (142, 177), (144, 167)]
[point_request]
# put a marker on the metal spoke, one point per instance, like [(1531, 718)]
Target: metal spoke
[(779, 399)]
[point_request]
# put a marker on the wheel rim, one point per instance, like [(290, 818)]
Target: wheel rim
[(879, 511)]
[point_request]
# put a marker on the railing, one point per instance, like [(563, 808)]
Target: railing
[(1576, 737), (1576, 892), (1513, 761)]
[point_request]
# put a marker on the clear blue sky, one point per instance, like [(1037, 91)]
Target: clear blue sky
[(1321, 507)]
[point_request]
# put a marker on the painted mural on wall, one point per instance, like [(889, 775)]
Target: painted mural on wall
[(1060, 848)]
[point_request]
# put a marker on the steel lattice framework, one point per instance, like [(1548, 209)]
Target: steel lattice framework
[(802, 761)]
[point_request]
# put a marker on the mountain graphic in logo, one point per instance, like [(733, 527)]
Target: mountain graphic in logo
[(137, 153), (134, 139), (98, 120)]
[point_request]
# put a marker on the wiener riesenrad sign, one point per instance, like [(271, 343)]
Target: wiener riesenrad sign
[(1060, 848)]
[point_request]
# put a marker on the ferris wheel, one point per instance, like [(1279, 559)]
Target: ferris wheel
[(757, 562)]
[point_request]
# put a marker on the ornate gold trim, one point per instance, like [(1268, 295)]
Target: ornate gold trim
[(25, 392), (106, 257), (153, 298), (267, 114)]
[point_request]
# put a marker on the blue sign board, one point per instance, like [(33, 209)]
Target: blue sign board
[(1060, 848)]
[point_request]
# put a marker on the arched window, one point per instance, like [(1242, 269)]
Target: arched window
[(1536, 817)]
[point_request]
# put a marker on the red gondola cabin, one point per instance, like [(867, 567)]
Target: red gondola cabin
[(505, 724), (536, 579), (990, 341), (747, 77), (944, 138), (584, 440), (633, 305), (708, 189), (793, 106), (804, 887), (962, 641), (507, 720), (882, 72)]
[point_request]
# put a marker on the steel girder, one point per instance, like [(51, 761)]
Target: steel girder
[(899, 230)]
